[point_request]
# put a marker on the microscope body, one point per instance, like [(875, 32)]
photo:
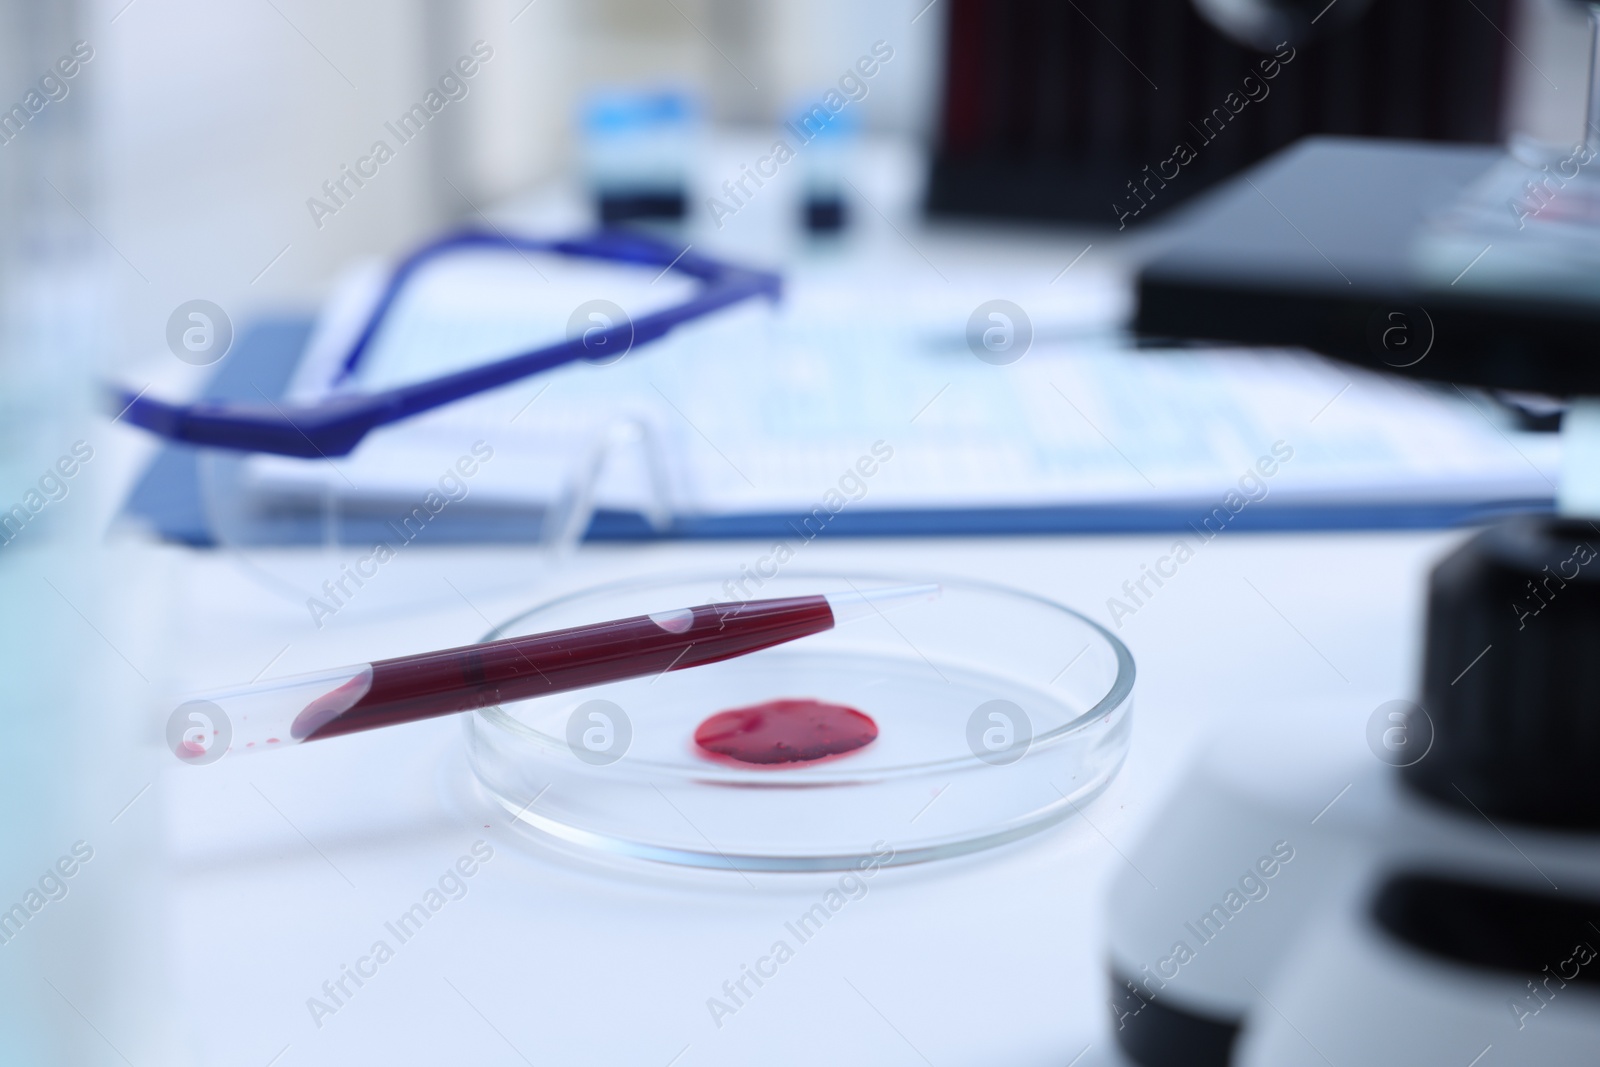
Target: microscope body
[(1409, 887), (1417, 883)]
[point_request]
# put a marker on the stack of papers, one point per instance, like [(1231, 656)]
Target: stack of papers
[(862, 387)]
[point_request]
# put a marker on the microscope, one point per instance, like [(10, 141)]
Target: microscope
[(1428, 892)]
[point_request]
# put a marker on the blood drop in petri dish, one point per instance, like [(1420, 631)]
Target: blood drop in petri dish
[(785, 731)]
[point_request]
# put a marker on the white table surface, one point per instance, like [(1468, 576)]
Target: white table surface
[(222, 897), (253, 880)]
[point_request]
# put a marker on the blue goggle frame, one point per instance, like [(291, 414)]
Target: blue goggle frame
[(334, 427)]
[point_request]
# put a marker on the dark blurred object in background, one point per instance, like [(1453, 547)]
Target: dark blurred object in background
[(1116, 110)]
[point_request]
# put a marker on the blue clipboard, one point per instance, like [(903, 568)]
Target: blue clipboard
[(168, 499)]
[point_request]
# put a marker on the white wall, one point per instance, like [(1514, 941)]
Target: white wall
[(214, 123)]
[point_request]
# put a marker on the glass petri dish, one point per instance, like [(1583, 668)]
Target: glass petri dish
[(999, 713)]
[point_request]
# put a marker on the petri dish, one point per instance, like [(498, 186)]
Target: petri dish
[(999, 714)]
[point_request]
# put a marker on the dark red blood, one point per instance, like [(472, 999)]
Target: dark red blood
[(785, 731), (516, 668)]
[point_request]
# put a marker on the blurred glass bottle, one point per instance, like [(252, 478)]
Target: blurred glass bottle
[(46, 321), (827, 146), (637, 149)]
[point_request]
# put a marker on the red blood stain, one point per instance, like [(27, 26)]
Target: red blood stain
[(785, 731)]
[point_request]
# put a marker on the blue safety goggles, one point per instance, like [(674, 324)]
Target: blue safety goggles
[(335, 426)]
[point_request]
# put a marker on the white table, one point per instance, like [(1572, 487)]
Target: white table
[(269, 874), (222, 898)]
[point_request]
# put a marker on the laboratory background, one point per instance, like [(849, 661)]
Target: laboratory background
[(1038, 532)]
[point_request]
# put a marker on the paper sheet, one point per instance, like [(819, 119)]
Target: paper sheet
[(765, 409)]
